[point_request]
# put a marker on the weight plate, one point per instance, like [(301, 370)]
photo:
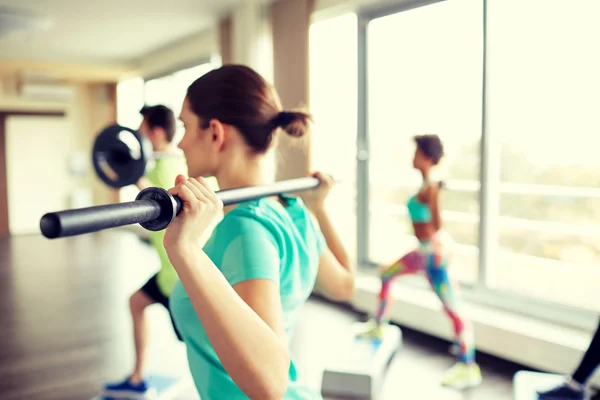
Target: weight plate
[(120, 156)]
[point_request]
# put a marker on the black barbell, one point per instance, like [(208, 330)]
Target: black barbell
[(154, 209)]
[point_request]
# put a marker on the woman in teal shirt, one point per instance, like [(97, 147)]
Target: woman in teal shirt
[(237, 299)]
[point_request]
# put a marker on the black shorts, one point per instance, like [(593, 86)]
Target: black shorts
[(152, 290)]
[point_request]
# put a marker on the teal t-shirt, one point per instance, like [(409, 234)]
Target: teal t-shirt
[(261, 239)]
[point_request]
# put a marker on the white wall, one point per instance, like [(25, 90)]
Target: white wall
[(91, 109), (183, 54), (39, 181)]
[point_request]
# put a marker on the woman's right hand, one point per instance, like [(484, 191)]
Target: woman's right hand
[(315, 198), (201, 208)]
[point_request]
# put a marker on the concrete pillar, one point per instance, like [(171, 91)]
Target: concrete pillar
[(291, 22)]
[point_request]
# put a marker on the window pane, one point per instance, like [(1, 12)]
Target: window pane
[(425, 76), (543, 111), (170, 90), (130, 100), (333, 91)]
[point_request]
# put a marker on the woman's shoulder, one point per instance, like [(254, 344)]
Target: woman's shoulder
[(289, 213), (248, 222), (433, 185), (255, 214), (270, 209), (245, 212)]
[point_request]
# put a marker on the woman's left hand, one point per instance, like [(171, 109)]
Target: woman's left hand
[(315, 198), (201, 209)]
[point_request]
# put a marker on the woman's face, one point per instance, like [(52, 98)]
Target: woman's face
[(198, 144), (421, 161)]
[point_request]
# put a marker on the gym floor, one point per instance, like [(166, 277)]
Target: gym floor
[(65, 326)]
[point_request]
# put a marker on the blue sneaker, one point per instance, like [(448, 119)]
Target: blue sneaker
[(562, 392), (127, 390)]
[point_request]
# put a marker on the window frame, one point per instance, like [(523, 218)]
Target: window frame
[(490, 189)]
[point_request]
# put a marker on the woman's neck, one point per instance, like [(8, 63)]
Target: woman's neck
[(240, 172), (425, 174), (231, 179)]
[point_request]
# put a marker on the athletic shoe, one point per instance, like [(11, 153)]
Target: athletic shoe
[(128, 390), (462, 376), (562, 392), (371, 330)]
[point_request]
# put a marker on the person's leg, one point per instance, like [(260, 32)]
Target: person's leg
[(463, 330), (137, 304), (465, 373), (161, 298), (574, 388), (135, 384), (410, 263), (590, 360)]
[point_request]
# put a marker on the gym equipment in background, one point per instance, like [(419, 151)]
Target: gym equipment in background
[(357, 367), (121, 156), (154, 209), (526, 384)]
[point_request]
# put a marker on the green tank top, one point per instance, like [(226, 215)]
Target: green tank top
[(163, 175)]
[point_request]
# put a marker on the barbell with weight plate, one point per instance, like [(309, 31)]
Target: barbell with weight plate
[(154, 209), (121, 156)]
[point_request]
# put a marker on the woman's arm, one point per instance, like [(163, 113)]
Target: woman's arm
[(424, 196), (336, 272), (244, 324), (434, 194)]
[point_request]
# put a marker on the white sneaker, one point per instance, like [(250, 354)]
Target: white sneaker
[(462, 376)]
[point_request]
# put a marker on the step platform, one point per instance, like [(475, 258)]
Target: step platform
[(357, 367), (164, 387), (526, 384)]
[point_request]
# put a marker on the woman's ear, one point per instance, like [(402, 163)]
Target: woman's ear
[(217, 133)]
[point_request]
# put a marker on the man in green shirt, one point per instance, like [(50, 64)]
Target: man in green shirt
[(158, 126)]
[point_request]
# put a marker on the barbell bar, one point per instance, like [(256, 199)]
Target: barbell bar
[(154, 209)]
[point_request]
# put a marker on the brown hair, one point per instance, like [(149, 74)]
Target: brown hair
[(237, 95), (431, 146), (160, 116)]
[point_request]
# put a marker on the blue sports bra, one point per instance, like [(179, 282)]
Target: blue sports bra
[(419, 212)]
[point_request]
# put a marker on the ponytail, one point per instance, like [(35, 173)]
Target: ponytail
[(294, 123)]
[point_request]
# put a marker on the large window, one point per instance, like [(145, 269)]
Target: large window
[(425, 76), (130, 99), (333, 98), (512, 88), (543, 95)]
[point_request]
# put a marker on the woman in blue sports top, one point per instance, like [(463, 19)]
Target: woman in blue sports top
[(238, 297), (431, 259)]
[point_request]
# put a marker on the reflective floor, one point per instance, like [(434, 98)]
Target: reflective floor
[(65, 328)]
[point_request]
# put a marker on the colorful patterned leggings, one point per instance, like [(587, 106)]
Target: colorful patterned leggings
[(431, 258)]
